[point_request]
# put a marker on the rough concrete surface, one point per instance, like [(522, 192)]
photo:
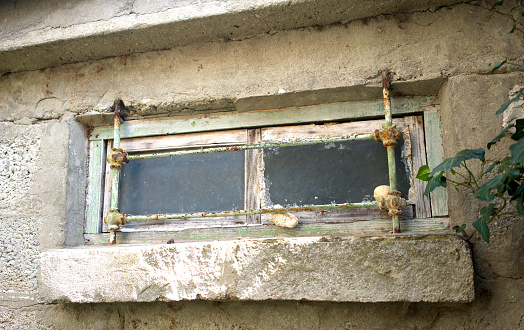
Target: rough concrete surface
[(19, 152), (503, 256), (359, 269), (213, 76), (297, 53), (32, 158), (36, 35)]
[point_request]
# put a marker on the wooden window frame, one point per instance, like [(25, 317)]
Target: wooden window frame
[(173, 133)]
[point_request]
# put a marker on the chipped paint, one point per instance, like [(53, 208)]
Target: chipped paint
[(304, 142), (128, 217)]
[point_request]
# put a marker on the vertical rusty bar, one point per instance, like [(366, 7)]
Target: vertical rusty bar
[(118, 105), (389, 121), (387, 99), (116, 144), (390, 148)]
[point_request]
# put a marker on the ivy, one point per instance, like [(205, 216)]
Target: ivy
[(502, 192)]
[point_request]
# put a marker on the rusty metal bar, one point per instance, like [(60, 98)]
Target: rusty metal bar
[(360, 137), (391, 145), (116, 144), (387, 99), (247, 212), (114, 218)]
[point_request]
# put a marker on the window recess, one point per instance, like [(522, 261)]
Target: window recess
[(322, 173)]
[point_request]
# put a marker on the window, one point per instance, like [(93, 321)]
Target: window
[(296, 177)]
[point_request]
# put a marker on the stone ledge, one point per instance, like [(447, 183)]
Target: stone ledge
[(431, 268)]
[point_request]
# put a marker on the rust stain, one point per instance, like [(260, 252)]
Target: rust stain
[(123, 59)]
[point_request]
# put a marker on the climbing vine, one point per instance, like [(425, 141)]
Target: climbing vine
[(499, 185)]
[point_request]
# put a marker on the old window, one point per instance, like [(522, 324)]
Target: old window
[(297, 177)]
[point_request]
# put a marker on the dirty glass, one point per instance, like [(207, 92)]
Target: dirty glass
[(330, 173), (182, 184)]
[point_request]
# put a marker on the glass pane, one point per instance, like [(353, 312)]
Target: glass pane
[(181, 184), (329, 173)]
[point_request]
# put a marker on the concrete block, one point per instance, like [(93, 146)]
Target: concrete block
[(365, 269), (35, 35)]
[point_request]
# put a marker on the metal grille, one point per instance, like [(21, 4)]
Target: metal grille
[(390, 201)]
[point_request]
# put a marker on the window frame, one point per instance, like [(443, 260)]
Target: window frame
[(345, 111)]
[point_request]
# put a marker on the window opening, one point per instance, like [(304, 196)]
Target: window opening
[(387, 198)]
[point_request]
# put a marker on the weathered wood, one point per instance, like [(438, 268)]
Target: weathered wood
[(312, 131), (191, 140), (289, 116), (374, 227), (285, 116), (418, 158), (108, 186), (327, 216), (345, 216), (95, 187), (181, 224), (252, 187), (439, 199)]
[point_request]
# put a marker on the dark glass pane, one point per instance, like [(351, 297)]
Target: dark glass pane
[(182, 184), (330, 173)]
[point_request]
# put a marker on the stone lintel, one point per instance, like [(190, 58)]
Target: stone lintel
[(430, 268), (86, 32)]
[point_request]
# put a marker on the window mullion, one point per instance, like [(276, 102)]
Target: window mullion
[(252, 198)]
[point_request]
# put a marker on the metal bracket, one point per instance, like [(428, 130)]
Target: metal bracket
[(117, 158), (390, 200), (388, 136), (114, 219)]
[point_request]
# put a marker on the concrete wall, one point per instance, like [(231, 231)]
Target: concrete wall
[(459, 43)]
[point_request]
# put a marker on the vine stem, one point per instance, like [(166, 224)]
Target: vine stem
[(471, 175), (492, 217)]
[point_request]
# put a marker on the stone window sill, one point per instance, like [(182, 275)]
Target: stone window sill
[(386, 268)]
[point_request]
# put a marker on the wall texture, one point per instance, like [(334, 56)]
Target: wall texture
[(40, 143)]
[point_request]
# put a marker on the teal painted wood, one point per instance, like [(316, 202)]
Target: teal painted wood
[(289, 116), (434, 154), (374, 227), (318, 113), (95, 187)]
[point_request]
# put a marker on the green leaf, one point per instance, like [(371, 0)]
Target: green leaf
[(517, 152), (481, 224), (452, 171), (498, 65), (423, 173), (504, 164), (515, 25), (506, 105), (435, 182), (522, 67), (519, 130), (520, 205), (461, 156), (484, 192), (519, 192), (510, 184), (497, 3), (506, 182), (491, 167), (500, 136), (459, 229)]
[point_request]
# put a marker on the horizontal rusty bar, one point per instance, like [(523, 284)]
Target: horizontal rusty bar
[(361, 137), (246, 212)]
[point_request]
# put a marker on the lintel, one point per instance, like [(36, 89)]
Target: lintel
[(27, 43)]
